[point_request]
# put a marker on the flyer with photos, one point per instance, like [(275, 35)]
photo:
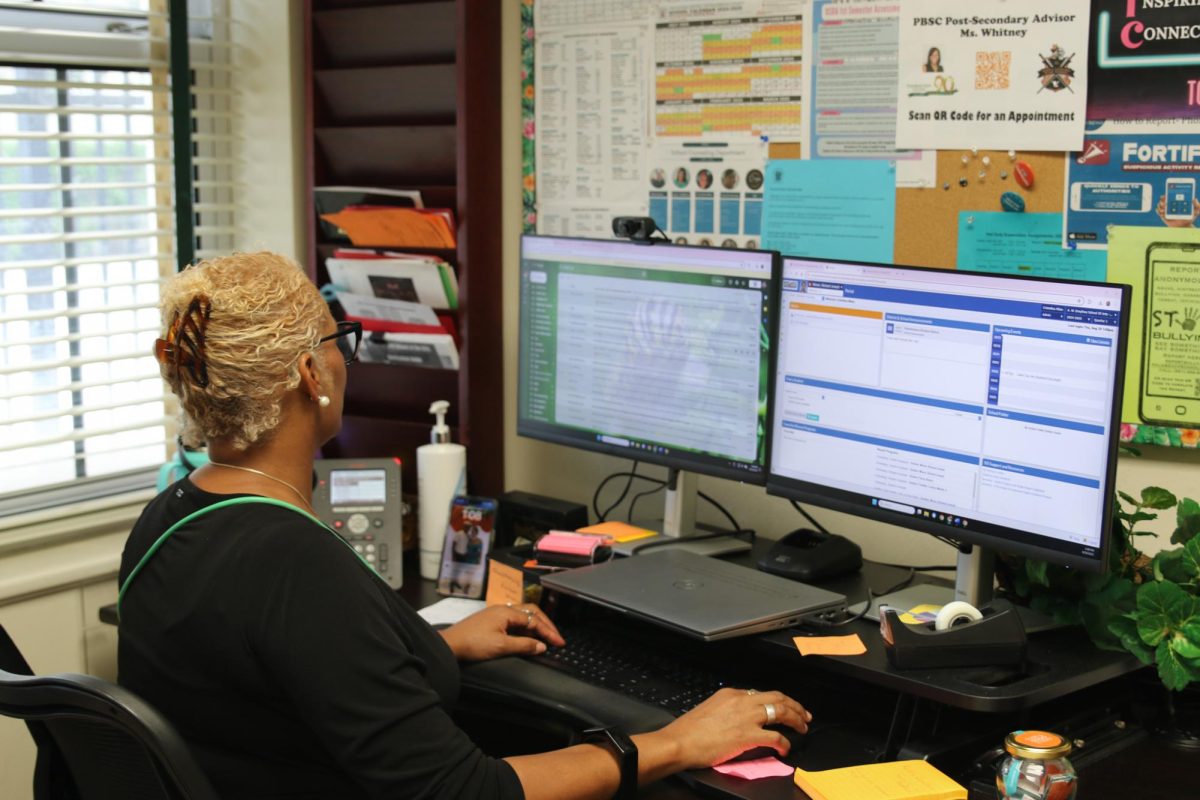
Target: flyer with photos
[(1000, 76)]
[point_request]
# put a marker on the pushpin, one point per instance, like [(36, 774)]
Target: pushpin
[(962, 181), (1072, 245), (1003, 175), (970, 220), (1012, 155), (987, 160), (946, 185), (965, 159), (1024, 174), (1011, 201), (974, 151), (982, 174)]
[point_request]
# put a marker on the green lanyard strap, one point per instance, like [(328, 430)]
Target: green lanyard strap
[(233, 501)]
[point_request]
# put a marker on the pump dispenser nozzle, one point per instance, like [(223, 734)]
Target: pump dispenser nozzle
[(441, 431)]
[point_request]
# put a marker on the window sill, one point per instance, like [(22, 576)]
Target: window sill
[(59, 548)]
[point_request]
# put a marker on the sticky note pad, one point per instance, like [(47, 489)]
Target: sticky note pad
[(830, 645), (894, 780), (619, 531), (753, 770)]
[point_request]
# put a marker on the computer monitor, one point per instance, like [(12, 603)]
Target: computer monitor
[(649, 351), (979, 407)]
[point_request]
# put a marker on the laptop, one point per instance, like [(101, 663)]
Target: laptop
[(696, 595)]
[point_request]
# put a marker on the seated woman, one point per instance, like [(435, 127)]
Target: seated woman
[(289, 666)]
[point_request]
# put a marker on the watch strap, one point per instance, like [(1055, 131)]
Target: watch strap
[(619, 743)]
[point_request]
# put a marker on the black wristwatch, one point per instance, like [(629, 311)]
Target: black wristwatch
[(627, 757)]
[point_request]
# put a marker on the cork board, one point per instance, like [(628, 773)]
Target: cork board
[(927, 219)]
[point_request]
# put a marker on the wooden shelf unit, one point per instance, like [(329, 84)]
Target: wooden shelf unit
[(406, 95)]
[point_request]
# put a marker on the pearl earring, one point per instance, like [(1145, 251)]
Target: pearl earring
[(323, 401)]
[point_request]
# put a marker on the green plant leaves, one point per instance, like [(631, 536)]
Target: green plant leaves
[(1105, 603), (1171, 565), (1168, 619), (1036, 572), (1156, 497), (1163, 608), (1125, 629), (1187, 521), (1176, 671)]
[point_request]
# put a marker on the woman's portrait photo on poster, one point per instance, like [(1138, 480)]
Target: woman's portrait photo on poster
[(933, 61)]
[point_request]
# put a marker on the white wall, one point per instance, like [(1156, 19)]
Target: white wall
[(269, 75), (573, 474)]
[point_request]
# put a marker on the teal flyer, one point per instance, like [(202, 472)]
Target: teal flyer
[(1023, 244)]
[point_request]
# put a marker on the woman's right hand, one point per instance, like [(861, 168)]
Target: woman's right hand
[(731, 722)]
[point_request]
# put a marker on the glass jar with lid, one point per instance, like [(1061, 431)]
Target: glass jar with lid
[(1036, 767)]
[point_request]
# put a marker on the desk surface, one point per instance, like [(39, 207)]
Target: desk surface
[(1124, 774)]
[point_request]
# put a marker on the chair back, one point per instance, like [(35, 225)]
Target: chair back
[(113, 744)]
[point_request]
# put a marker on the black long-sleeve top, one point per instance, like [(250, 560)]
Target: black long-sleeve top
[(291, 669)]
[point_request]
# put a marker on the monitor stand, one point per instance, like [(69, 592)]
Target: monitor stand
[(973, 582), (678, 528), (973, 579)]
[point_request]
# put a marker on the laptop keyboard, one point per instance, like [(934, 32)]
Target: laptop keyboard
[(613, 662)]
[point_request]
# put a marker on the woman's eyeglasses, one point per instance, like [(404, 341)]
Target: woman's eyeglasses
[(348, 337)]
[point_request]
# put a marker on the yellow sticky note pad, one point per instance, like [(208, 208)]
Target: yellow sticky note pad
[(894, 780), (830, 645), (619, 531), (919, 615), (505, 584)]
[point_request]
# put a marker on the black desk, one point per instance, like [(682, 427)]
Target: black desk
[(864, 708)]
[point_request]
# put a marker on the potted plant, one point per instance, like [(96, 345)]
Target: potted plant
[(1149, 606)]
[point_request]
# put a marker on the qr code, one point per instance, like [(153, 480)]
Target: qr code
[(991, 69)]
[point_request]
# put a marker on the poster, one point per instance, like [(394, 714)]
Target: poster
[(591, 127), (708, 192), (850, 86), (1146, 60), (1000, 76), (831, 209), (1022, 244), (720, 74), (1132, 173), (1162, 367)]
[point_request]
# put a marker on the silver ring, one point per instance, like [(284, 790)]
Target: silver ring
[(752, 691), (770, 709), (528, 617)]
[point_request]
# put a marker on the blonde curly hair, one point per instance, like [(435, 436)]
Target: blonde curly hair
[(262, 314)]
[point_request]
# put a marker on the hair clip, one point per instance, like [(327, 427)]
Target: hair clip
[(183, 348)]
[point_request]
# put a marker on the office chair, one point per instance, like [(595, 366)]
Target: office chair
[(96, 740)]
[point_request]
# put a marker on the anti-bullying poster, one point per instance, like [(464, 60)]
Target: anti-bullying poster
[(1145, 60)]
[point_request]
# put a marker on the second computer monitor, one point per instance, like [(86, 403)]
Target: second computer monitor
[(979, 407), (648, 351)]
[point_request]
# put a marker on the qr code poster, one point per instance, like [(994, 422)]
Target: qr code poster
[(998, 76)]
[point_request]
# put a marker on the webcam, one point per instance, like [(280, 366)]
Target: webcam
[(639, 229)]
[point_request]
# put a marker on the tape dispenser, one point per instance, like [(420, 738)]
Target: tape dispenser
[(961, 636)]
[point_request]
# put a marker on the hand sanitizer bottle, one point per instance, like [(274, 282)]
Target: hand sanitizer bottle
[(441, 476)]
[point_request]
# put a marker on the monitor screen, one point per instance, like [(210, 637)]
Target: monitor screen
[(655, 352), (357, 487), (979, 407)]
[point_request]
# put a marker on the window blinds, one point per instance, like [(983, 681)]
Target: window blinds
[(87, 233)]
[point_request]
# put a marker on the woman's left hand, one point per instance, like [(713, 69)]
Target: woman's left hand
[(502, 631)]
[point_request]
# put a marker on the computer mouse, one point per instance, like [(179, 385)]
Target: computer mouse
[(796, 739)]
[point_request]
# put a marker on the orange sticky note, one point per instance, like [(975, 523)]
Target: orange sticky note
[(392, 227), (830, 645), (505, 584), (619, 531)]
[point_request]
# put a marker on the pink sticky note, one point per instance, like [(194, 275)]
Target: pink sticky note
[(753, 770)]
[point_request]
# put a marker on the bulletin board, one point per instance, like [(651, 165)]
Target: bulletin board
[(926, 219)]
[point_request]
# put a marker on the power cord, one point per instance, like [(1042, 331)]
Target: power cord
[(811, 520), (600, 517), (818, 621)]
